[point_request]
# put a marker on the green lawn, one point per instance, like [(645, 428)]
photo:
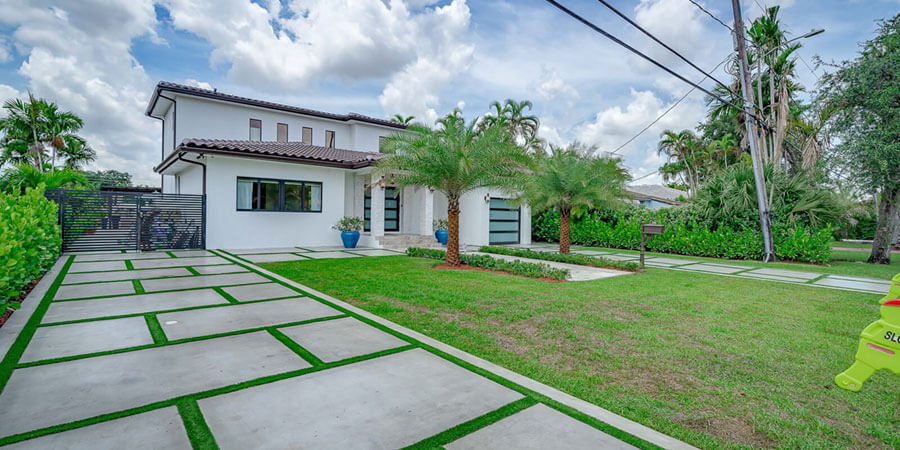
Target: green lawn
[(843, 262), (845, 244), (715, 361)]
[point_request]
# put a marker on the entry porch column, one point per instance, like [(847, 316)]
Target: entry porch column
[(376, 214), (426, 226)]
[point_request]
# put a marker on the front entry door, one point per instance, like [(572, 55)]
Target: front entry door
[(391, 209)]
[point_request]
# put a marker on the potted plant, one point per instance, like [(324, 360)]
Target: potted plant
[(349, 227), (440, 230)]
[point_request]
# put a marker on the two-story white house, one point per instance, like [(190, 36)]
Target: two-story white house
[(276, 175)]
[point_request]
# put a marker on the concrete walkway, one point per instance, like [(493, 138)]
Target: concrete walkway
[(576, 272), (195, 349), (868, 285)]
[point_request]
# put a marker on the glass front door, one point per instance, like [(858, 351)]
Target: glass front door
[(391, 209)]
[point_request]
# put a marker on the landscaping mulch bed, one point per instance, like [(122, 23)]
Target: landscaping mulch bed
[(467, 267), (9, 311)]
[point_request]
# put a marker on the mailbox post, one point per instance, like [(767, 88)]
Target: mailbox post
[(648, 229)]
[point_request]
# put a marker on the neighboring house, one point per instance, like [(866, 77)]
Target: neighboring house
[(655, 196), (277, 175)]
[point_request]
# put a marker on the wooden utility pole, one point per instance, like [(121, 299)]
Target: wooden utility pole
[(752, 129)]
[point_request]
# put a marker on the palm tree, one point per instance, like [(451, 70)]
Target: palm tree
[(59, 132), (679, 149), (511, 114), (77, 152), (401, 119), (30, 127), (574, 178), (454, 159)]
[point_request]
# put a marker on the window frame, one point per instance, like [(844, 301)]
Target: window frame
[(250, 131), (278, 132), (281, 192), (333, 139), (303, 135)]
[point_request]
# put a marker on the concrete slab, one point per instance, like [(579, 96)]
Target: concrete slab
[(650, 263), (224, 319), (375, 252), (94, 290), (759, 276), (124, 275), (190, 253), (272, 257), (89, 337), (712, 268), (225, 268), (201, 281), (334, 340), (91, 257), (96, 266), (576, 272), (132, 304), (260, 292), (157, 429), (591, 252), (329, 255), (329, 248), (387, 402), (855, 285), (260, 251), (53, 394), (670, 261), (622, 257), (538, 427), (805, 276), (864, 280), (178, 262)]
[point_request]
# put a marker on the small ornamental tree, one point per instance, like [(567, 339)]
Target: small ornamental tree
[(455, 158), (574, 179)]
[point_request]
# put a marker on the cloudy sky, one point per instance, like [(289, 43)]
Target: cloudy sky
[(101, 59)]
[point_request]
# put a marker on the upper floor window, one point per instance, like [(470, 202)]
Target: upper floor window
[(307, 135), (258, 194), (282, 132), (329, 138), (255, 130)]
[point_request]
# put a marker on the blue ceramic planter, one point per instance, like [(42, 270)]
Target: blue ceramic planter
[(441, 236), (350, 238)]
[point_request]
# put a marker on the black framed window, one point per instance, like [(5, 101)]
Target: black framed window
[(255, 130), (262, 194), (329, 138), (391, 210), (503, 222)]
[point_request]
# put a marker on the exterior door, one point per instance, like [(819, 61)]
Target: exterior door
[(391, 210), (504, 223)]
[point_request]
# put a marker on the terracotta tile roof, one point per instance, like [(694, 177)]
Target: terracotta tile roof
[(290, 150), (214, 94)]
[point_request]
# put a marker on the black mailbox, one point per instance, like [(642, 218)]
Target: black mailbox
[(652, 228)]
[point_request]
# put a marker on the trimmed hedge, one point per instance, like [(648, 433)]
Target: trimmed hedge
[(569, 258), (29, 242), (527, 269), (685, 236)]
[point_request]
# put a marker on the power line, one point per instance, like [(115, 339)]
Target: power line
[(669, 109), (618, 41), (644, 176), (712, 15), (642, 30)]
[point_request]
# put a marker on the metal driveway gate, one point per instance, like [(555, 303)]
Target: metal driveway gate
[(109, 220)]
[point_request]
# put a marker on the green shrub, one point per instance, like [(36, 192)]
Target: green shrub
[(569, 258), (686, 234), (515, 267), (29, 241)]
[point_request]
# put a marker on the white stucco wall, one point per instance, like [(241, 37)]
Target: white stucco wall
[(191, 180), (229, 228)]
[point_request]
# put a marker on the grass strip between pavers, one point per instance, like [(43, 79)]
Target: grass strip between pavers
[(447, 436), (295, 347), (129, 265), (138, 287), (156, 331), (98, 297), (571, 412), (226, 295), (197, 434), (192, 270), (198, 431)]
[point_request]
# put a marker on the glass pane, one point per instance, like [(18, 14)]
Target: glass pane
[(504, 215), (293, 196), (504, 226), (312, 201), (390, 214), (390, 203), (499, 203), (307, 136), (268, 195), (390, 192), (390, 225), (503, 237), (245, 194), (282, 132)]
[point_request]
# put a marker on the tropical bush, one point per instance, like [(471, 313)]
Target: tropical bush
[(685, 234), (349, 223), (440, 224), (568, 258), (29, 241), (526, 269)]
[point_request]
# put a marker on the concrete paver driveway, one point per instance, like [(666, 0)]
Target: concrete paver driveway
[(190, 349)]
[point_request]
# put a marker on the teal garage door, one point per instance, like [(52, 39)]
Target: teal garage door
[(504, 222)]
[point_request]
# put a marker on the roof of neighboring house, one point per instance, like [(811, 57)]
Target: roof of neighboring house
[(656, 192), (216, 95), (295, 152)]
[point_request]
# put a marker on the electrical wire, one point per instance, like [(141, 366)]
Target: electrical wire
[(618, 41), (668, 110), (712, 15), (666, 46)]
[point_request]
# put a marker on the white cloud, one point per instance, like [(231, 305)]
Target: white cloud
[(552, 87), (7, 93), (199, 84), (77, 54)]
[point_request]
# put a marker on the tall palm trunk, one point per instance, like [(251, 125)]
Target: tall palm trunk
[(764, 146), (564, 219), (884, 230), (453, 231)]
